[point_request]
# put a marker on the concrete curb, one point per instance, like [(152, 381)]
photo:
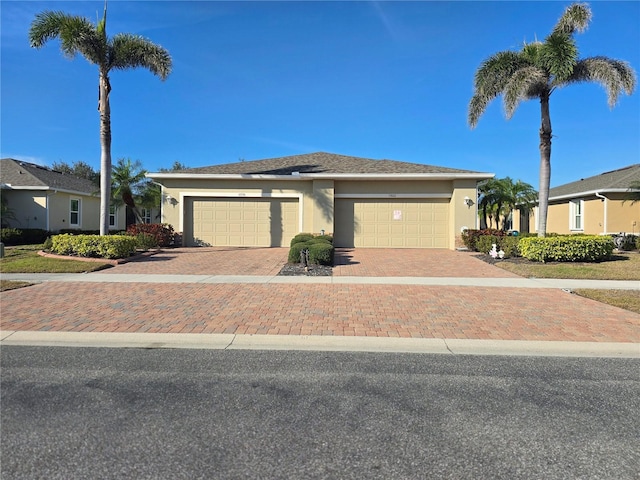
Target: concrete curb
[(320, 343)]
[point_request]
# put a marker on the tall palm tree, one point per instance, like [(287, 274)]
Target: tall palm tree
[(500, 196), (120, 52), (127, 183), (536, 71)]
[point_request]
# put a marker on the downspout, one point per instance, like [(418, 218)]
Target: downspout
[(47, 207), (606, 201)]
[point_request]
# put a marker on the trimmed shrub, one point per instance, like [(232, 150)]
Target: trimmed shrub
[(510, 246), (328, 238), (162, 232), (301, 237), (23, 236), (484, 243), (321, 253), (470, 237), (638, 243), (584, 248), (108, 246), (48, 243), (294, 251), (625, 243), (146, 241)]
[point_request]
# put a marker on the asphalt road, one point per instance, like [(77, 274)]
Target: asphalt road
[(96, 413)]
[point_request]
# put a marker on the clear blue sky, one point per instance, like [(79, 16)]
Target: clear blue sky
[(254, 80)]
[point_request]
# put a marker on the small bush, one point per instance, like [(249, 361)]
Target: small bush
[(328, 238), (484, 243), (321, 253), (470, 237), (509, 245), (108, 246), (301, 237), (23, 236), (294, 251), (584, 248), (626, 242), (48, 243), (638, 243), (162, 232), (146, 241)]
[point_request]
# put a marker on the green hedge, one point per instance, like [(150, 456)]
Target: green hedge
[(321, 253), (294, 251), (584, 248), (23, 236), (300, 238), (108, 246)]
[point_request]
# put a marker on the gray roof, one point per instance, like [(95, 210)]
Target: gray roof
[(616, 180), (320, 162), (16, 173)]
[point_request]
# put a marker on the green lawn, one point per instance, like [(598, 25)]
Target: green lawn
[(622, 266), (25, 259), (11, 285)]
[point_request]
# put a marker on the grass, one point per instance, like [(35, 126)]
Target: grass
[(622, 266), (11, 285), (25, 259), (627, 299)]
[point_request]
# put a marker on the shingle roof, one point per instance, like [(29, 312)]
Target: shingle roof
[(17, 173), (616, 180), (320, 162)]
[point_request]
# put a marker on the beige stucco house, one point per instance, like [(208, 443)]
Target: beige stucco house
[(362, 202), (40, 197), (594, 205)]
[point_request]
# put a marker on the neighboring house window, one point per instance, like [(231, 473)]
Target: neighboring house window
[(146, 215), (112, 216), (74, 212), (576, 220)]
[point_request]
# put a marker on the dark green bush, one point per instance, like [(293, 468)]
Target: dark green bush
[(484, 243), (638, 243), (509, 245), (584, 248), (626, 242), (107, 246), (301, 237), (470, 237), (23, 236), (146, 241), (328, 238), (321, 253), (294, 251), (48, 243)]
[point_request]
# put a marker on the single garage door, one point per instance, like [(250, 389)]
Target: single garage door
[(411, 223), (243, 222)]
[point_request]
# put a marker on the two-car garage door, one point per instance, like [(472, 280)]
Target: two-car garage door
[(406, 223), (241, 222)]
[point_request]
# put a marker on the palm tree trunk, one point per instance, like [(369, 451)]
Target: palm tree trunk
[(545, 165), (105, 152)]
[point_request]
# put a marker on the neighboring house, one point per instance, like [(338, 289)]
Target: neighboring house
[(594, 205), (43, 198), (363, 202)]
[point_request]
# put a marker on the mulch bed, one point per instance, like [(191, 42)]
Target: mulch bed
[(297, 269)]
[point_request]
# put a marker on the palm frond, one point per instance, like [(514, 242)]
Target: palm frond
[(524, 84), (575, 18), (131, 51), (615, 76), (76, 35), (559, 55)]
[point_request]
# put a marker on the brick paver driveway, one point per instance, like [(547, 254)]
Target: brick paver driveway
[(361, 262), (316, 309)]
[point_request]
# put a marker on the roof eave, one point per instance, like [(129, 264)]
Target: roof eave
[(41, 188), (589, 193), (325, 176)]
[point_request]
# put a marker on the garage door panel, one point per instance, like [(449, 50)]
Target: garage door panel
[(260, 222), (412, 223)]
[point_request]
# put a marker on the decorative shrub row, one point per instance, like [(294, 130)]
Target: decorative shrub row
[(584, 248), (471, 238), (107, 246), (161, 232), (320, 248), (23, 236)]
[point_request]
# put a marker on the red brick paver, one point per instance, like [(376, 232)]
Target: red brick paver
[(318, 309), (409, 262)]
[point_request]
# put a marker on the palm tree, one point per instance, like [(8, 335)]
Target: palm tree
[(536, 71), (120, 52), (127, 183), (500, 196)]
